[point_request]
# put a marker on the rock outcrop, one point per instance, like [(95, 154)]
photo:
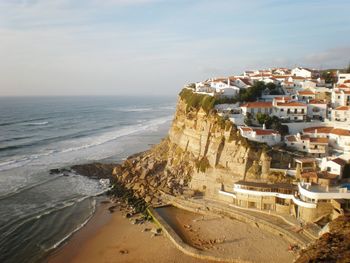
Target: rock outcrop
[(333, 246), (203, 153)]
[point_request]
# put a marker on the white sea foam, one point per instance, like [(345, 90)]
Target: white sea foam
[(87, 142), (76, 229), (22, 188), (36, 123)]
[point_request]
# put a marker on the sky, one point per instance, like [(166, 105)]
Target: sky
[(154, 47)]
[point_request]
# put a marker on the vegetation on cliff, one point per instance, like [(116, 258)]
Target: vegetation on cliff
[(197, 101)]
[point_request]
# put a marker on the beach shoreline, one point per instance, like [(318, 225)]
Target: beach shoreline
[(111, 237)]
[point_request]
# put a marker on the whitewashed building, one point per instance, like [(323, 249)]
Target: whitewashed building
[(290, 110), (340, 97), (317, 109), (317, 147), (303, 72), (341, 113), (343, 77), (257, 107), (270, 137), (339, 139)]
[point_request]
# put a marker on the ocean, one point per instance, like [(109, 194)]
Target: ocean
[(39, 211)]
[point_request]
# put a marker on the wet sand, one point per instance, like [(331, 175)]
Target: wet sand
[(111, 238)]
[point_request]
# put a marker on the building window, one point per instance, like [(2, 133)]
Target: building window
[(304, 147), (282, 109), (295, 111), (302, 111)]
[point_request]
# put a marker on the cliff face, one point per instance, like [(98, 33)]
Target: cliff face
[(203, 152), (214, 150)]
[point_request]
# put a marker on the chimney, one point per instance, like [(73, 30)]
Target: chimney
[(228, 82), (315, 132), (264, 126)]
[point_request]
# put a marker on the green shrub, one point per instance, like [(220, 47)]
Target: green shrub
[(197, 101)]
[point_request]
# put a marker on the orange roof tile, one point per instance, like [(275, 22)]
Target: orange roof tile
[(306, 92), (309, 175), (319, 140), (341, 132), (343, 108), (265, 132), (291, 104), (246, 129), (339, 161), (320, 129), (317, 102), (291, 138)]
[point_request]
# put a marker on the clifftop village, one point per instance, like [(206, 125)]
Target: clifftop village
[(302, 111)]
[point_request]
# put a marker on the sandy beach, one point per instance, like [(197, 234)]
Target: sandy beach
[(110, 237)]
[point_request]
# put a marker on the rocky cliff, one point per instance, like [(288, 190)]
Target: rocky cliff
[(203, 153)]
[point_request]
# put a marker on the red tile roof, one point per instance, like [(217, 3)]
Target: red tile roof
[(291, 104), (309, 175), (343, 108), (319, 140), (319, 129), (317, 102), (265, 132), (339, 161), (341, 132), (291, 138), (283, 98), (347, 81), (306, 92)]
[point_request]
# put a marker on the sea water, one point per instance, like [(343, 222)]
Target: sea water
[(39, 211)]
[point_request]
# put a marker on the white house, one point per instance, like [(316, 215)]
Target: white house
[(339, 138), (308, 84), (230, 92), (257, 107), (342, 77), (270, 137), (303, 72), (241, 83), (204, 88), (290, 110), (340, 97), (317, 109), (317, 147), (306, 95), (341, 113), (335, 166)]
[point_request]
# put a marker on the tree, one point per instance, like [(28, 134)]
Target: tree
[(271, 86), (253, 92), (248, 120), (262, 118)]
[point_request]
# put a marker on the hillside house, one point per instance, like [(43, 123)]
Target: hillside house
[(270, 137)]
